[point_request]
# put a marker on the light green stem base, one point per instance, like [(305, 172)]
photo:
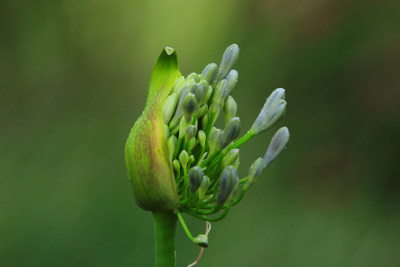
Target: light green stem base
[(164, 233)]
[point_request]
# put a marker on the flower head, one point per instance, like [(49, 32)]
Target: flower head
[(178, 159)]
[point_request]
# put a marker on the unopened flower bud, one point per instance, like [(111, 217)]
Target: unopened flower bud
[(230, 109), (215, 140), (167, 132), (193, 76), (172, 141), (201, 240), (204, 187), (178, 85), (202, 138), (169, 107), (229, 58), (195, 178), (232, 79), (197, 91), (183, 158), (269, 117), (204, 121), (231, 131), (202, 111), (231, 158), (191, 131), (219, 96), (177, 167), (278, 143), (254, 172), (189, 106), (208, 93), (209, 73), (228, 181)]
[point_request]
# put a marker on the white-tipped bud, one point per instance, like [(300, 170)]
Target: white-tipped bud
[(254, 172), (229, 58), (195, 178), (172, 141), (278, 143), (231, 131), (209, 73), (182, 96), (230, 109), (231, 158), (202, 138), (232, 79), (268, 117), (169, 107), (215, 140), (228, 181), (189, 106)]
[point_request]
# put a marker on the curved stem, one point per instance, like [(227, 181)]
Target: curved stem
[(164, 233)]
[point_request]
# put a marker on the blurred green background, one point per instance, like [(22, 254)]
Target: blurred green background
[(73, 79)]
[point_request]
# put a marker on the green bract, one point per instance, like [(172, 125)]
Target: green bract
[(176, 156)]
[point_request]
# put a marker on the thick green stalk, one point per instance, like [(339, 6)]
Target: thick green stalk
[(164, 233)]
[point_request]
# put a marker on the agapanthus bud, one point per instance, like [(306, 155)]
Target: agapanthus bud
[(208, 93), (215, 140), (195, 178), (201, 240), (197, 90), (193, 76), (231, 158), (146, 152), (202, 138), (278, 143), (219, 96), (209, 73), (177, 167), (269, 116), (172, 141), (204, 187), (232, 79), (230, 109), (254, 172), (202, 111), (204, 121), (229, 58), (231, 131), (167, 132), (184, 158), (169, 107), (203, 85), (178, 85), (228, 181), (189, 106), (191, 131)]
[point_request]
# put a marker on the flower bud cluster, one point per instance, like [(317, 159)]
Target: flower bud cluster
[(205, 159)]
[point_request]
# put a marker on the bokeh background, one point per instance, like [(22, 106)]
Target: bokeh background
[(73, 79)]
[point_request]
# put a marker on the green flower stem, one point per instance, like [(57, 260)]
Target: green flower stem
[(164, 232), (241, 141)]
